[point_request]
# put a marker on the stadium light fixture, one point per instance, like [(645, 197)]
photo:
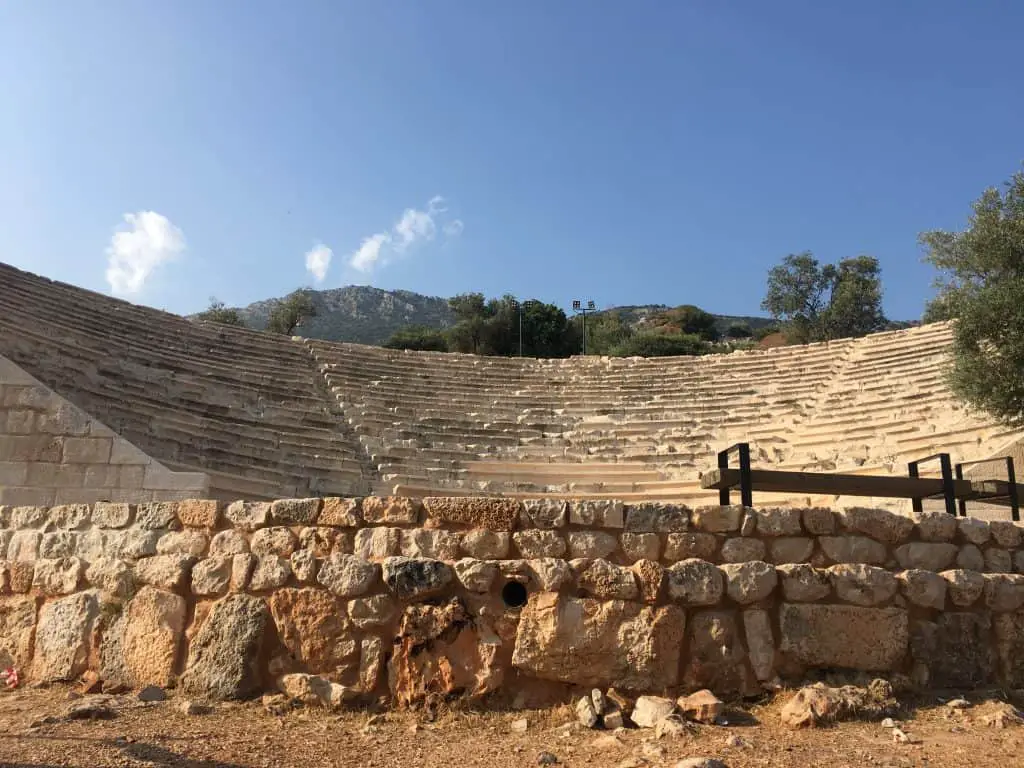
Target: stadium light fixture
[(520, 307), (577, 306)]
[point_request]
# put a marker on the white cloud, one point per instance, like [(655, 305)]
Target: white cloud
[(414, 227), (369, 253), (318, 260), (149, 240)]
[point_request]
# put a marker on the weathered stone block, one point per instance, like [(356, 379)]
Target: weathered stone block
[(592, 544), (17, 626), (695, 582), (791, 549), (547, 574), (599, 643), (607, 581), (347, 576), (544, 513), (498, 514), (312, 627), (112, 576), (599, 514), (212, 575), (853, 549), (241, 569), (923, 588), (19, 576), (880, 524), (341, 512), (929, 556), (97, 543), (804, 583), (749, 582), (965, 587), (741, 549), (23, 518), (277, 540), (58, 544), (539, 543), (656, 517), (62, 639), (224, 656), (683, 546), (973, 530), (717, 519), (757, 627), (394, 510), (819, 521), (378, 543), (270, 572), (998, 561), (969, 558), (229, 543), (69, 517), (304, 566), (247, 515), (57, 577), (485, 544), (476, 575), (376, 611), (199, 513), (165, 571), (1004, 592), (1005, 532), (845, 636), (649, 576), (24, 546), (956, 649), (295, 511), (717, 658), (188, 542), (640, 546), (778, 521), (138, 542), (862, 584), (156, 515), (153, 630), (411, 578), (321, 540), (1009, 634), (429, 543), (934, 526)]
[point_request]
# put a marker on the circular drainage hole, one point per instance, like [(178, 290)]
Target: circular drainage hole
[(514, 594)]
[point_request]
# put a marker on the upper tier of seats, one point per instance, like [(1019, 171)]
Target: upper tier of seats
[(269, 416), (246, 407)]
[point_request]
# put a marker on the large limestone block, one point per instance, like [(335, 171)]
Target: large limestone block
[(964, 587), (928, 556), (1009, 630), (157, 515), (106, 514), (974, 531), (599, 514), (198, 513), (757, 626), (269, 572), (791, 549), (424, 542), (956, 649), (112, 576), (608, 581), (498, 514), (229, 543), (591, 544), (212, 575), (923, 588), (63, 637), (778, 521), (295, 512), (819, 521), (741, 549), (853, 549), (1004, 592), (17, 624), (165, 571), (934, 526), (413, 578), (717, 519), (717, 656), (248, 515), (485, 544), (58, 544), (804, 583), (476, 575), (277, 540), (188, 542), (880, 524), (683, 546), (224, 657), (641, 546), (58, 577), (862, 584), (544, 513), (695, 582), (376, 611), (153, 629), (539, 543), (70, 517), (347, 575), (378, 543), (312, 627), (852, 637), (1006, 532), (600, 643), (657, 517), (339, 512), (393, 510), (749, 582)]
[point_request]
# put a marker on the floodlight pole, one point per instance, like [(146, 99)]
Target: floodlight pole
[(577, 306), (521, 307)]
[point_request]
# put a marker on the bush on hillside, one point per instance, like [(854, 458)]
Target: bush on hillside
[(660, 345), (418, 337)]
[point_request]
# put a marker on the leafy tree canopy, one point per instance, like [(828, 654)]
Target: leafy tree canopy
[(652, 344), (291, 312), (817, 301), (418, 337), (981, 287), (218, 313)]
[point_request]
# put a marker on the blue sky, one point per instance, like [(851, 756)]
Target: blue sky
[(640, 152)]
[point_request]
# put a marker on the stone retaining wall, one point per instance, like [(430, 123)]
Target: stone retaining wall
[(346, 599)]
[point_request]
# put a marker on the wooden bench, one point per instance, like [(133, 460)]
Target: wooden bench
[(952, 487)]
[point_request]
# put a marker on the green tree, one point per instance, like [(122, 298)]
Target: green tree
[(660, 345), (981, 287), (218, 313), (695, 321), (605, 331), (738, 331), (471, 313), (291, 312), (418, 337), (815, 302)]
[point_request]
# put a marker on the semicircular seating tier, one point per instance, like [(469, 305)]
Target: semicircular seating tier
[(268, 416), (247, 408)]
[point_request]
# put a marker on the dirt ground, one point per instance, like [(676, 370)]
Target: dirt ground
[(35, 732)]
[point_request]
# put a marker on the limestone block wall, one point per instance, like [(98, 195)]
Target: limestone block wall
[(51, 452), (342, 600)]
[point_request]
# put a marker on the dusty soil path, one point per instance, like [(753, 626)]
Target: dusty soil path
[(34, 732)]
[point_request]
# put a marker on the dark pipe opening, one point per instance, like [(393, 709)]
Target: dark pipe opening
[(514, 594)]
